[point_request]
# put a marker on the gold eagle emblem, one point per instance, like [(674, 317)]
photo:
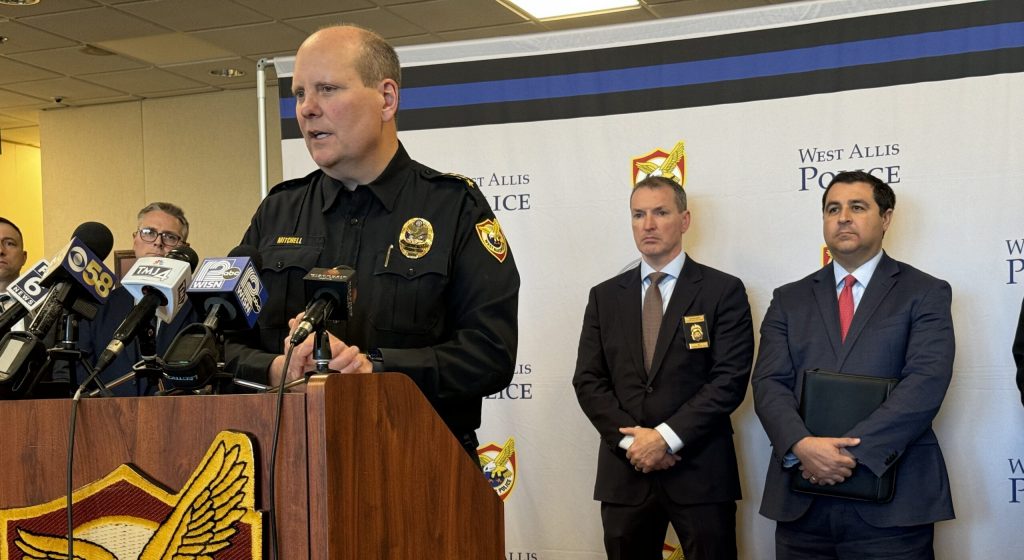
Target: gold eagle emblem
[(220, 493)]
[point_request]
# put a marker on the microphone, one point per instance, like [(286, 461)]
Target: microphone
[(79, 282), (333, 290), (229, 289), (27, 291), (232, 294), (158, 286)]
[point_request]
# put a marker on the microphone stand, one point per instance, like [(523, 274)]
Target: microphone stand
[(67, 352), (321, 357)]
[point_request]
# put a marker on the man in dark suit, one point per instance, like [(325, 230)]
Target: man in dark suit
[(664, 359), (866, 314), (162, 227), (1018, 352)]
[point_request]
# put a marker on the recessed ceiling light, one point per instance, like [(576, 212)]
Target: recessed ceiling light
[(19, 2), (227, 72), (3, 39), (546, 9)]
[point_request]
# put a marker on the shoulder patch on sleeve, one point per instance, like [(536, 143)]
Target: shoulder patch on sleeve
[(493, 239)]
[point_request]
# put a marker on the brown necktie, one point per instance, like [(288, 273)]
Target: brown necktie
[(652, 314)]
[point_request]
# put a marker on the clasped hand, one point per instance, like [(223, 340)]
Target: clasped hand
[(344, 358), (648, 452), (826, 461)]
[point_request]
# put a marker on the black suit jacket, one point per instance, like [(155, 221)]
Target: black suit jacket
[(903, 328), (692, 390), (1018, 352)]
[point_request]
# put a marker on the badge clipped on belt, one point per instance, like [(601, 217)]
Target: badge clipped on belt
[(695, 329)]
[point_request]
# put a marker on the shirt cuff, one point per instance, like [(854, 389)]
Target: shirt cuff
[(790, 460), (625, 442), (670, 437)]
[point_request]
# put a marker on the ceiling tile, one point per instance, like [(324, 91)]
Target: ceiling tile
[(255, 39), (693, 7), (94, 25), (73, 61), (384, 22), (412, 40), (168, 48), (30, 115), (177, 92), (144, 82), (283, 10), (12, 71), (70, 89), (193, 15), (11, 99), (23, 135), (22, 38), (13, 122), (611, 18), (201, 72), (449, 15), (487, 32), (47, 7)]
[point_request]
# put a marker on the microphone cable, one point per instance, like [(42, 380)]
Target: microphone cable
[(272, 471)]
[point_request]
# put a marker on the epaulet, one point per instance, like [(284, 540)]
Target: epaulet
[(433, 175), (292, 183)]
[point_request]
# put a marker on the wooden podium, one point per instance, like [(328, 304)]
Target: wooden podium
[(365, 467)]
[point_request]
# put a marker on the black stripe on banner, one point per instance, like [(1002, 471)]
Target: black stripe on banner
[(720, 46), (810, 35), (721, 93)]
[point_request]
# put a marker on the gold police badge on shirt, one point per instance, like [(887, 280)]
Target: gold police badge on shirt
[(493, 239), (695, 329), (416, 238)]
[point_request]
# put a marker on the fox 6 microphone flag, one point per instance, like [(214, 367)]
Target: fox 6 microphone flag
[(168, 276), (27, 289), (237, 276)]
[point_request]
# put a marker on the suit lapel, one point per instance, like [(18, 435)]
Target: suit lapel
[(824, 290), (879, 286), (630, 302), (683, 295)]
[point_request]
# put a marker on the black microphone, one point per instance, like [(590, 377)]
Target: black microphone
[(333, 290), (232, 294), (159, 283), (79, 282)]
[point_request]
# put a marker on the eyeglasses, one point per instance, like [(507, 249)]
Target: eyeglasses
[(149, 235)]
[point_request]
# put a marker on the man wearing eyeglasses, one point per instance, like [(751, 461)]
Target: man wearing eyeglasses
[(162, 226)]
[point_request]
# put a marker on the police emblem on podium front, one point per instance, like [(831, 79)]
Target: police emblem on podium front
[(125, 516), (498, 463)]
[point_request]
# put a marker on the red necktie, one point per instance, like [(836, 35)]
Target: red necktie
[(846, 305)]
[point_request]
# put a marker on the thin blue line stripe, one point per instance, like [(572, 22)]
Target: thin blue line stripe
[(793, 61)]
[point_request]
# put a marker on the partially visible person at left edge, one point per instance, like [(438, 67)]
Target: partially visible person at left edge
[(436, 284), (12, 258), (162, 226)]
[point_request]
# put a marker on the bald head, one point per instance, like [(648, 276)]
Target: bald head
[(374, 59)]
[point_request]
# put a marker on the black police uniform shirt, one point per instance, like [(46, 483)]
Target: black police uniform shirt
[(445, 316)]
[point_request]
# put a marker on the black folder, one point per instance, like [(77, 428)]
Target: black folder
[(831, 405)]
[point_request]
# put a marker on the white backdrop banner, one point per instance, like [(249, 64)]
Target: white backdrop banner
[(768, 105)]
